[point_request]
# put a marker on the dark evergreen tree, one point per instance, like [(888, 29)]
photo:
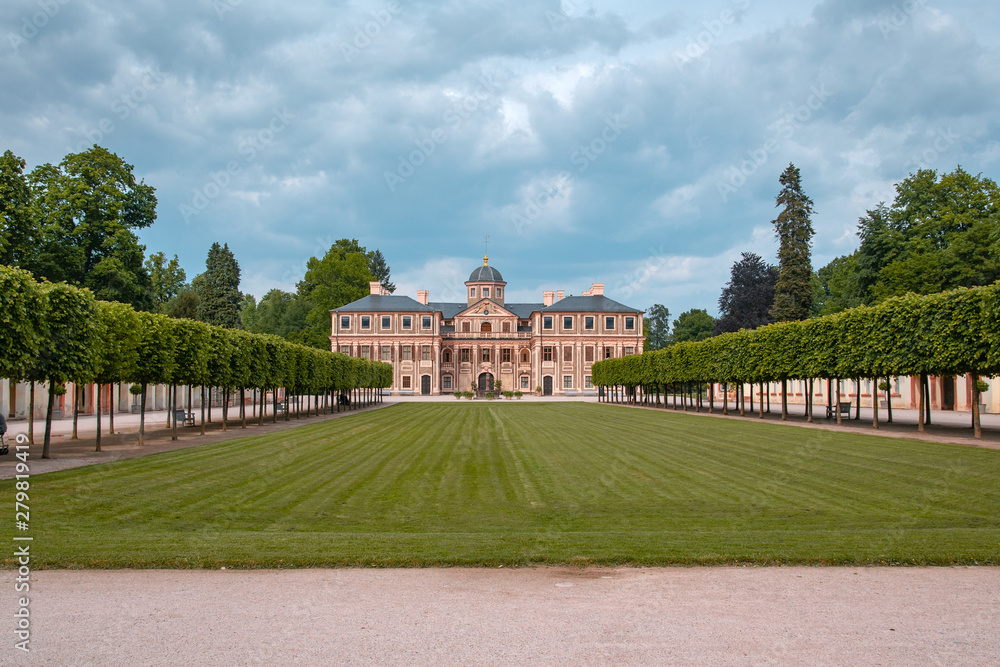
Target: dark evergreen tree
[(793, 290), (748, 296), (378, 268), (656, 326), (218, 289)]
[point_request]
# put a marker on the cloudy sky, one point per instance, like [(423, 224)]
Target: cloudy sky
[(635, 143)]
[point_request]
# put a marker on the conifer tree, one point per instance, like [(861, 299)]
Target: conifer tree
[(218, 289), (793, 291)]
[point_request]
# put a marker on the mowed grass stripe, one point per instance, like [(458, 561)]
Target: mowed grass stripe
[(502, 482)]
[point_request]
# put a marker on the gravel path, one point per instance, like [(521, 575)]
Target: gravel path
[(713, 616)]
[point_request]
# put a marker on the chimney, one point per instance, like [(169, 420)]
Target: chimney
[(375, 287), (559, 295), (422, 296), (597, 289), (548, 298)]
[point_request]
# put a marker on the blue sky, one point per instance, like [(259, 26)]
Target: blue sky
[(632, 143)]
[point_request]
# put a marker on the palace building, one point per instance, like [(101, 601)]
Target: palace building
[(440, 348)]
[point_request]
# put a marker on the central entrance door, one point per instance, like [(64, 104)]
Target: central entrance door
[(547, 385), (425, 385), (486, 382)]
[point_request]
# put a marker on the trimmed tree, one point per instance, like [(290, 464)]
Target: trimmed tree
[(793, 290)]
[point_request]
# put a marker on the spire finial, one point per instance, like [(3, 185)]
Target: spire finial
[(486, 259)]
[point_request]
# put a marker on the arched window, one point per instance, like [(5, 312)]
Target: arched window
[(525, 356), (447, 355), (486, 327), (506, 327)]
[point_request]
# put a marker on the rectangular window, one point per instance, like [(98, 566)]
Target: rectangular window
[(425, 353), (588, 323), (366, 352), (466, 355), (567, 321), (567, 381), (629, 350), (345, 322), (587, 382), (524, 382), (486, 354), (486, 291), (446, 382), (505, 355), (407, 353), (546, 353), (406, 382), (588, 353), (407, 321), (345, 349), (609, 352), (609, 323), (896, 386), (547, 322), (567, 353), (366, 322), (499, 292), (629, 323), (386, 322), (426, 322), (386, 353), (472, 292)]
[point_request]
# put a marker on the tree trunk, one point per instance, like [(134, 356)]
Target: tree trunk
[(173, 412), (784, 399), (274, 405), (76, 410), (48, 421), (888, 399), (741, 396), (920, 405), (751, 397), (927, 400), (203, 411), (875, 404), (98, 418), (725, 399), (857, 390), (977, 426), (111, 409), (768, 398), (711, 398), (225, 409), (142, 414), (840, 418), (31, 414), (243, 407), (809, 403)]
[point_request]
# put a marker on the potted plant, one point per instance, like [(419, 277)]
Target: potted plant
[(459, 394), (497, 386), (538, 390), (518, 395), (470, 395), (983, 386), (883, 386), (508, 394), (489, 395)]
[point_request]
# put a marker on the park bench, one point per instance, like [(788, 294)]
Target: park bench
[(844, 409), (185, 418)]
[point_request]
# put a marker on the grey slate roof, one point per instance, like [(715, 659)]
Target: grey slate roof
[(374, 303), (589, 304), (523, 310), (485, 273), (448, 310)]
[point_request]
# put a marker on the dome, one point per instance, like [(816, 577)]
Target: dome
[(485, 274)]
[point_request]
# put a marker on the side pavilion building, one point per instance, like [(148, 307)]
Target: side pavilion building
[(439, 348)]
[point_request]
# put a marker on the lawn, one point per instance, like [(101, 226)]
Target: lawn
[(516, 483)]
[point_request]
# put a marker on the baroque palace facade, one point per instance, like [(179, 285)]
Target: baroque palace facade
[(441, 348)]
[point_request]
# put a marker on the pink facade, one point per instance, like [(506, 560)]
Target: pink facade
[(440, 348)]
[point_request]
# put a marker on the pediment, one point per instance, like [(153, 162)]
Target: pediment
[(485, 308)]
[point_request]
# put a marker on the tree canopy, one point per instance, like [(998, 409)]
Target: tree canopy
[(747, 298), (693, 325), (656, 326), (218, 289)]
